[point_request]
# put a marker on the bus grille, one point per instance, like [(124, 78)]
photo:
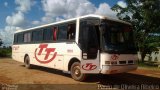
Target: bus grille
[(122, 62), (129, 62)]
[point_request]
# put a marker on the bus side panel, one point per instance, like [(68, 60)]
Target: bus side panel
[(61, 55), (18, 53), (72, 52), (48, 55)]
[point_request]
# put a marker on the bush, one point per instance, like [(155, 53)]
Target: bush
[(148, 64), (5, 52)]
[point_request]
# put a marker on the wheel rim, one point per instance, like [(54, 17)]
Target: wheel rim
[(76, 71)]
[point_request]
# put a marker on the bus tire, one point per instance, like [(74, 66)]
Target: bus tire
[(27, 62), (76, 72)]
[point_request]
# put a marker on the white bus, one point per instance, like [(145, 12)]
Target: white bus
[(90, 44)]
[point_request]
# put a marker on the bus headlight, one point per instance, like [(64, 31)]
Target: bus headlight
[(107, 62), (113, 62)]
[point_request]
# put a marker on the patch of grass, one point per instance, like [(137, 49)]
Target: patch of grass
[(149, 65), (146, 64)]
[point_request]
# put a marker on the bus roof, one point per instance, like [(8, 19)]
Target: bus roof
[(68, 20)]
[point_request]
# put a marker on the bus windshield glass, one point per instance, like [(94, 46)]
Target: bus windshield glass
[(118, 37)]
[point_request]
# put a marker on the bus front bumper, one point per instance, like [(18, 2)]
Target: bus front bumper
[(117, 69)]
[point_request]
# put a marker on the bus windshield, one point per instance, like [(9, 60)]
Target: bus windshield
[(118, 37)]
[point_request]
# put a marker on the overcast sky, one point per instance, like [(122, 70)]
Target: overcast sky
[(22, 14)]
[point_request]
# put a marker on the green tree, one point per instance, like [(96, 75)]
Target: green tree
[(144, 15), (1, 42)]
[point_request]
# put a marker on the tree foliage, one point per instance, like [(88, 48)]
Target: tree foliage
[(1, 42), (144, 16)]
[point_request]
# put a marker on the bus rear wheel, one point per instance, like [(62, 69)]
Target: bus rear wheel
[(27, 62), (76, 72)]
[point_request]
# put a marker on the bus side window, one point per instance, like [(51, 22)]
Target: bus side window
[(47, 32), (27, 37), (62, 32), (71, 31), (37, 35), (20, 37), (55, 33)]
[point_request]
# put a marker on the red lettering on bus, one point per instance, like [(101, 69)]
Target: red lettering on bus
[(15, 48), (89, 66), (48, 51), (114, 57), (42, 46)]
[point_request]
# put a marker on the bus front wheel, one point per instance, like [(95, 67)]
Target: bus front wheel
[(27, 62), (76, 72)]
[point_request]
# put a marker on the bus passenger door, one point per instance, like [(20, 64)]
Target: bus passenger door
[(89, 44)]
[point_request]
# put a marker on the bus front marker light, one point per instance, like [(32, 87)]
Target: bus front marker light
[(107, 62)]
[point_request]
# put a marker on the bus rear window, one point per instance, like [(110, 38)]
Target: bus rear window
[(15, 39)]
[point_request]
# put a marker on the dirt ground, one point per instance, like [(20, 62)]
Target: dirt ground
[(14, 73)]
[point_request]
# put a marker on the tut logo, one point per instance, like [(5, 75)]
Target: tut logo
[(114, 57), (89, 66), (43, 47)]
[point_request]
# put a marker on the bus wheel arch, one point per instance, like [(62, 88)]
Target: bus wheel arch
[(71, 62)]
